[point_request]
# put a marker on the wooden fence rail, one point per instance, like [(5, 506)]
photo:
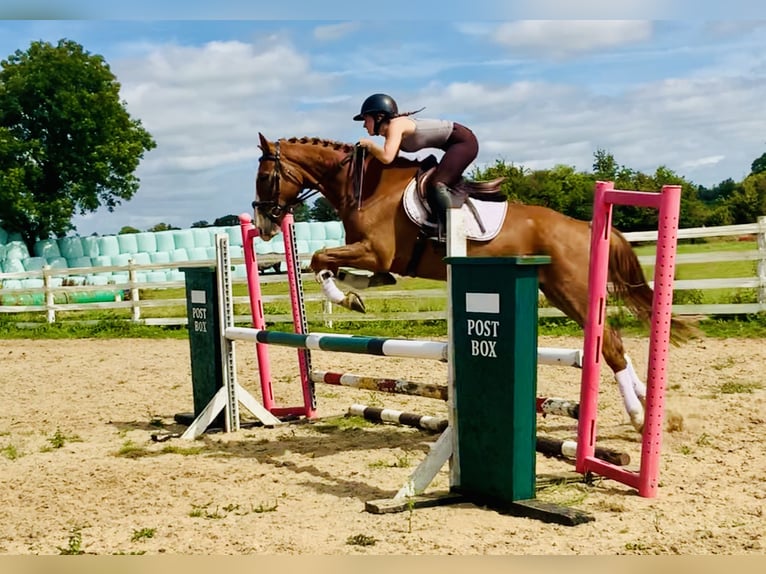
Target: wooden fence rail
[(127, 294)]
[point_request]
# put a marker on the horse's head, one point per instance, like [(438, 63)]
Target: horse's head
[(291, 171), (277, 186)]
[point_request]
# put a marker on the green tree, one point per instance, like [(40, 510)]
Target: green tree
[(717, 193), (302, 212), (515, 182), (162, 227), (226, 221), (201, 223), (128, 229), (604, 166), (322, 210), (759, 165), (749, 200), (67, 144)]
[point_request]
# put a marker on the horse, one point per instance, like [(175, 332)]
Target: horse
[(381, 238)]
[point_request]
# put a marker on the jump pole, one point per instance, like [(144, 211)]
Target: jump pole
[(543, 405), (547, 446)]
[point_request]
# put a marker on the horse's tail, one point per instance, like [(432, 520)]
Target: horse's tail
[(630, 286)]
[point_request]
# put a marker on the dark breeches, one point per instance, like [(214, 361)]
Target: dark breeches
[(461, 149)]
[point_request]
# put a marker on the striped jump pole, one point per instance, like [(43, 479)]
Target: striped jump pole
[(555, 406), (383, 347), (396, 386), (544, 405), (384, 415), (568, 449), (548, 446)]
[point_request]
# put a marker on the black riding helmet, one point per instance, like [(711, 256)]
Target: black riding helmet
[(378, 104)]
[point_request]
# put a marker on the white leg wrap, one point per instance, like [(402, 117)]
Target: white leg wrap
[(329, 288), (625, 382), (638, 384)]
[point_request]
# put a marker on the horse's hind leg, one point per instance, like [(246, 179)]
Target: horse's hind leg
[(632, 389), (572, 298)]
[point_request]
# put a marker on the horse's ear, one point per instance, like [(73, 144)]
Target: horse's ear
[(264, 142)]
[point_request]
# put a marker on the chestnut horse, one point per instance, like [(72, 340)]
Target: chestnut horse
[(381, 238)]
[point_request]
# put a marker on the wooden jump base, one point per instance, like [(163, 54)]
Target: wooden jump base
[(547, 446)]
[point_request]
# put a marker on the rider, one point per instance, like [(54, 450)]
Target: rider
[(382, 118)]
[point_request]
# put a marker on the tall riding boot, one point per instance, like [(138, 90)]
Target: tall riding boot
[(439, 199)]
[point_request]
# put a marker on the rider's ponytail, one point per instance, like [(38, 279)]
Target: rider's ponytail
[(409, 113)]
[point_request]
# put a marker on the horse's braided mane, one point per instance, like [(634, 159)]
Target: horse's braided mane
[(399, 161), (323, 142)]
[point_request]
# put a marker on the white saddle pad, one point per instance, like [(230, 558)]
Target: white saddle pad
[(492, 214)]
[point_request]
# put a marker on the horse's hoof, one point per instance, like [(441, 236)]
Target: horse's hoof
[(354, 302), (637, 420)]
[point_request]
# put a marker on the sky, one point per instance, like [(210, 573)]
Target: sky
[(685, 94)]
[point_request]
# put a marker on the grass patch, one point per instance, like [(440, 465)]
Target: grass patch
[(202, 510), (129, 449), (341, 423), (563, 494), (182, 450), (142, 534), (738, 387), (361, 540), (74, 543), (402, 461), (10, 452), (59, 439)]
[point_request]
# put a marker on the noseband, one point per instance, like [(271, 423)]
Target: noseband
[(273, 209)]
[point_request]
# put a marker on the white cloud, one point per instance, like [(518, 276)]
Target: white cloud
[(702, 162), (562, 38), (205, 105), (681, 123), (332, 32)]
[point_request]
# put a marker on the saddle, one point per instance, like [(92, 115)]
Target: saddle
[(488, 190)]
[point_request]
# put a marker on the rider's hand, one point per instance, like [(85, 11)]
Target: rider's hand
[(365, 143)]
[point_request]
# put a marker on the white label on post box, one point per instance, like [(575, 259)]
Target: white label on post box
[(482, 303), (198, 297)]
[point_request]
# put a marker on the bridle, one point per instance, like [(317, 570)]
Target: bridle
[(273, 209)]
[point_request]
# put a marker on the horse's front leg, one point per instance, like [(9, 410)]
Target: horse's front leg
[(325, 264)]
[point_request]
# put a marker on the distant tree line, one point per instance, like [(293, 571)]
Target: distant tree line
[(571, 192)]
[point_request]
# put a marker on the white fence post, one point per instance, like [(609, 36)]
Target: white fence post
[(762, 260), (51, 312), (134, 295)]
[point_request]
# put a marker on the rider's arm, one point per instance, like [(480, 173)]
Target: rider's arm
[(390, 149), (393, 140)]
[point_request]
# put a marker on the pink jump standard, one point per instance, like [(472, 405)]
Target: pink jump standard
[(667, 202)]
